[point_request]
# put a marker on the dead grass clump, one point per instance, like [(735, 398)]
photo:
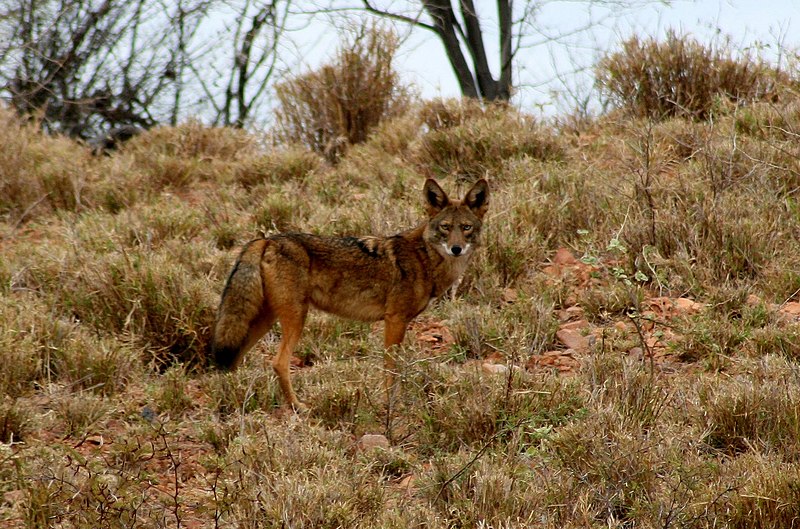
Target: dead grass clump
[(633, 389), (192, 140), (15, 419), (147, 296), (480, 409), (79, 412), (559, 204), (513, 246), (681, 77), (475, 147), (712, 340), (243, 391), (766, 494), (329, 109), (441, 114), (745, 415), (24, 361), (383, 158), (311, 483), (776, 339), (612, 475), (174, 157), (497, 490), (279, 165)]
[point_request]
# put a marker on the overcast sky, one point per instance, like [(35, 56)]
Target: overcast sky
[(545, 69)]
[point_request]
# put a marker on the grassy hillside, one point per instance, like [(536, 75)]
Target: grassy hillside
[(623, 351)]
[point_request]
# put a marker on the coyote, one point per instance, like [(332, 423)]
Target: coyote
[(393, 279)]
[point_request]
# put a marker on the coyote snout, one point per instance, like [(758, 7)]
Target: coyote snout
[(393, 279)]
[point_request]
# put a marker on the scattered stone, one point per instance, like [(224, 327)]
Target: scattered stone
[(752, 300), (148, 414), (573, 339), (575, 325), (621, 326), (510, 295), (370, 441), (575, 311), (494, 369), (562, 361), (564, 257), (792, 307), (687, 305), (407, 484), (14, 497)]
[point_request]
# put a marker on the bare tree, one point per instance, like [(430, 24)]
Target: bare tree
[(248, 64), (82, 67), (458, 27), (486, 68)]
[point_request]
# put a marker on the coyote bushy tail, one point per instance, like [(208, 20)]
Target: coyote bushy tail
[(241, 304)]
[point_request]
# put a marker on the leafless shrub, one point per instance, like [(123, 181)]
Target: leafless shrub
[(338, 105), (682, 77)]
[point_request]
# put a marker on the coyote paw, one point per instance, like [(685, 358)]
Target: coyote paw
[(299, 408)]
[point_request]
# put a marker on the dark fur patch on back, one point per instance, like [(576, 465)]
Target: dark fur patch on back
[(368, 245)]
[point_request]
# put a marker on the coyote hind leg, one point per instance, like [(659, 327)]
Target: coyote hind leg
[(292, 328)]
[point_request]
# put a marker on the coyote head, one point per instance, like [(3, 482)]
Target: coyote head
[(454, 226)]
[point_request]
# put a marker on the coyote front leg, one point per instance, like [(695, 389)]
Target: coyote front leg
[(393, 333)]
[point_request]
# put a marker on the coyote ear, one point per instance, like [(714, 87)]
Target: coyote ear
[(477, 198), (435, 197)]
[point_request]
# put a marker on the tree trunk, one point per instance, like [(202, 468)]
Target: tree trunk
[(474, 77)]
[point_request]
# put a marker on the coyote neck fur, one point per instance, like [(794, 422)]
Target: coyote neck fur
[(444, 270)]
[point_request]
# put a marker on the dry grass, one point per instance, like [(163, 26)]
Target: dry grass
[(672, 415)]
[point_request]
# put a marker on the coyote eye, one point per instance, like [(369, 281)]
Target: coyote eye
[(466, 227), (444, 227)]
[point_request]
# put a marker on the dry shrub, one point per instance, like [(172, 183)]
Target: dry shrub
[(38, 173), (682, 77), (338, 105), (469, 143)]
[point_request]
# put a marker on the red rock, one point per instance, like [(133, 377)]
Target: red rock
[(752, 300), (621, 326), (687, 305), (792, 307), (574, 340), (510, 295), (575, 325), (564, 257)]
